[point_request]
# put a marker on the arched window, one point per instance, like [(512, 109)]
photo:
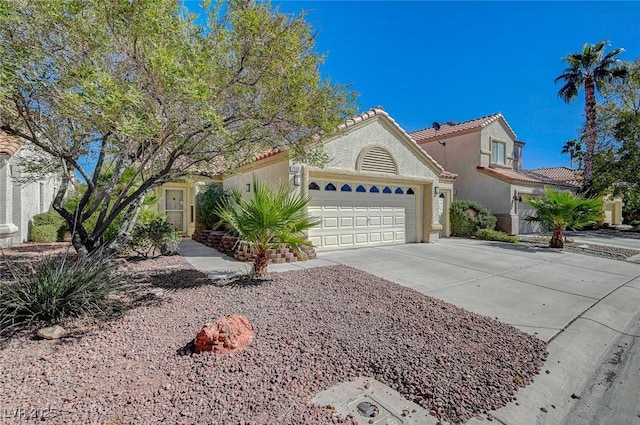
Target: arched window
[(361, 189), (314, 186), (399, 191), (330, 187), (374, 189), (409, 191), (345, 188), (386, 190)]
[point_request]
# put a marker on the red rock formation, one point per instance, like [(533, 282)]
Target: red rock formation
[(226, 335)]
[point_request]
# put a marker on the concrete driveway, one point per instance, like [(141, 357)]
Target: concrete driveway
[(610, 237), (587, 308)]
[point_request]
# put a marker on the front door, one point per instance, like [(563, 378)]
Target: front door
[(174, 208)]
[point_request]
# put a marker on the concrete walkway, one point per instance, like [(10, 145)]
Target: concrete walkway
[(587, 308)]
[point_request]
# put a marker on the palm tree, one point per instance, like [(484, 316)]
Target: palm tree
[(268, 219), (561, 209), (574, 149), (591, 69)]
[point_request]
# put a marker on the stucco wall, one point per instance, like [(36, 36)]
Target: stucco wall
[(271, 172), (20, 202), (495, 131), (344, 150)]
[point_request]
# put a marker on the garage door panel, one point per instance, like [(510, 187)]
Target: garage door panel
[(350, 219), (362, 238), (346, 222)]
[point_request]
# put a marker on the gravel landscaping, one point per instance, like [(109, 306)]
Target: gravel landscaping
[(314, 328)]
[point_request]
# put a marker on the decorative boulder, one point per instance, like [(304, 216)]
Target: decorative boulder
[(226, 335)]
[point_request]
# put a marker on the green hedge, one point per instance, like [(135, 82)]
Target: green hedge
[(495, 235), (467, 217), (48, 218), (46, 233)]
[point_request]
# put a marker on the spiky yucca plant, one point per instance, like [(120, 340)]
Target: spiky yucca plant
[(268, 219), (560, 209)]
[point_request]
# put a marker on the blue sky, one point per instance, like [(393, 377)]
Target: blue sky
[(454, 61)]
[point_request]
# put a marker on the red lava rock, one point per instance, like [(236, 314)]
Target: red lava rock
[(226, 335)]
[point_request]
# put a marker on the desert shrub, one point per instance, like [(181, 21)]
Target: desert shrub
[(207, 202), (57, 288), (46, 233), (495, 235), (467, 217), (153, 234), (48, 218)]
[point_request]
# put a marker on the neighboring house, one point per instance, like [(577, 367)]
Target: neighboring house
[(487, 157), (377, 188), (19, 202)]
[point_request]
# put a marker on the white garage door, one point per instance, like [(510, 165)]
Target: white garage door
[(355, 215), (524, 226)]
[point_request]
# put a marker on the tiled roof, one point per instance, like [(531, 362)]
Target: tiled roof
[(563, 174), (8, 145), (525, 176), (450, 129)]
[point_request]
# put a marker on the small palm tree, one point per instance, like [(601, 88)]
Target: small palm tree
[(560, 209), (574, 148), (268, 219), (591, 69)]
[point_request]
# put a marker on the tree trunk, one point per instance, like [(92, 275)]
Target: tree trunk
[(557, 241), (260, 263), (590, 130)]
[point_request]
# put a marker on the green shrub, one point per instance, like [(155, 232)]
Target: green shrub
[(495, 235), (153, 234), (57, 288), (467, 217), (207, 202), (48, 218), (46, 233)]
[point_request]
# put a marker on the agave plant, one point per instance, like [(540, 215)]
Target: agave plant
[(561, 209), (268, 219)]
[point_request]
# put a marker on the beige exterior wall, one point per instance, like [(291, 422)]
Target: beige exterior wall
[(272, 171), (496, 132), (190, 188)]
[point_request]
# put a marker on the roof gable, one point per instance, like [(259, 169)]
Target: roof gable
[(451, 129), (403, 136)]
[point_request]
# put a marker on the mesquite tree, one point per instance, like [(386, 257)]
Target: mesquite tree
[(148, 89)]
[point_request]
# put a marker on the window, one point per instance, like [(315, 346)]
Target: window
[(374, 189), (314, 186), (330, 187), (498, 152), (399, 191), (345, 188), (361, 189), (386, 190), (409, 191)]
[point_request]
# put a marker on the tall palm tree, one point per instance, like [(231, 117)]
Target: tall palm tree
[(574, 148), (591, 69), (266, 220), (560, 209)]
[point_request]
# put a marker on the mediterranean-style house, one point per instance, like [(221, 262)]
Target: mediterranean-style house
[(19, 202), (487, 157), (377, 188)]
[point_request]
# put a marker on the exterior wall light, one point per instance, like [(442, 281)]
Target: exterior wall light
[(247, 187), (296, 180), (436, 190)]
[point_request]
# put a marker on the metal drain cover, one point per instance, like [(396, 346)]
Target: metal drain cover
[(373, 403)]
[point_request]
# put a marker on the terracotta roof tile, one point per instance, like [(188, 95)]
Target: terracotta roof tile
[(8, 145), (563, 174), (525, 176), (450, 129)]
